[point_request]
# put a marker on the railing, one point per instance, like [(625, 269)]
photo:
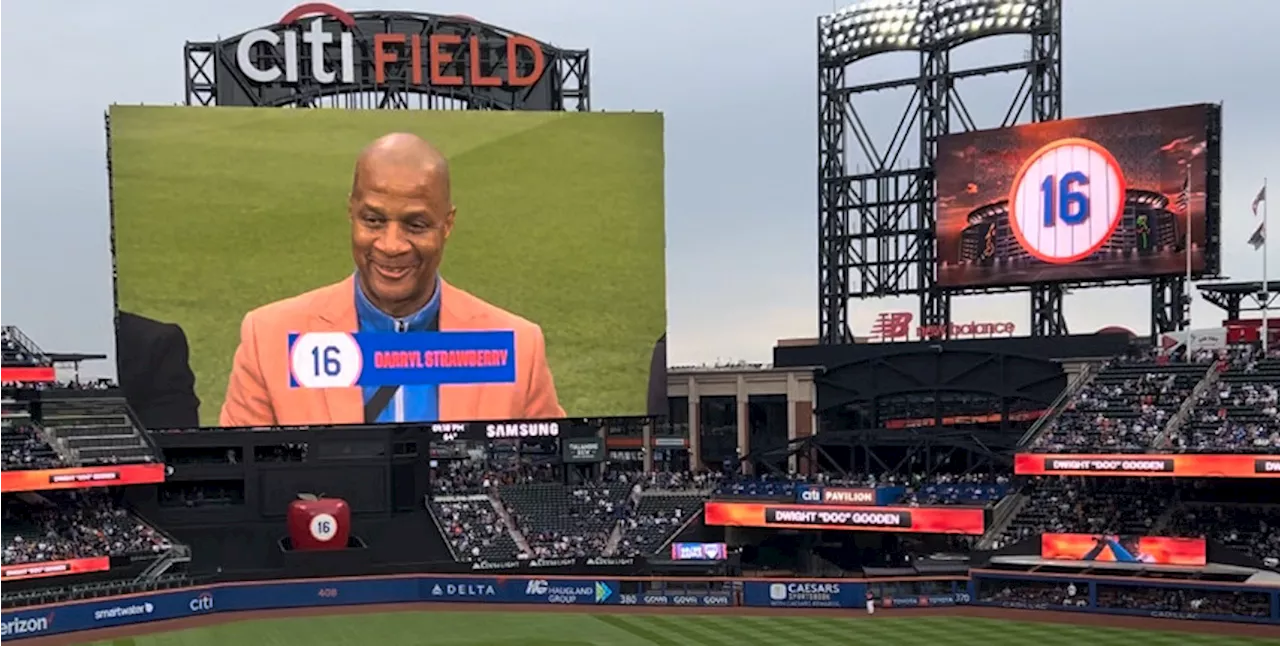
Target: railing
[(1004, 513), (1086, 375), (23, 341), (1210, 378)]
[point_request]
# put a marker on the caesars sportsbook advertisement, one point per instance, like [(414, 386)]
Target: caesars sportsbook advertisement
[(293, 277), (1079, 199)]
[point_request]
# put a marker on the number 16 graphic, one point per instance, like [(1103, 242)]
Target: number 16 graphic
[(1067, 201)]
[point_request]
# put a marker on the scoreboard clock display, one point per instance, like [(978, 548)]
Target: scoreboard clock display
[(1110, 197)]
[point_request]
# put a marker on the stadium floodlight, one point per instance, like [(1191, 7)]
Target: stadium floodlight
[(875, 26), (871, 27)]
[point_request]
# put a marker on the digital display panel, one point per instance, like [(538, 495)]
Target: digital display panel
[(1079, 199), (54, 568), (925, 520), (1154, 550), (481, 265), (1148, 464), (81, 477)]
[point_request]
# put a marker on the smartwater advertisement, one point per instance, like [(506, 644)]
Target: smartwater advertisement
[(105, 613), (803, 594)]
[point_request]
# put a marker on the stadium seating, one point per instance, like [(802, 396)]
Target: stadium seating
[(1239, 413), (660, 507), (1090, 505), (566, 520), (99, 430), (74, 524), (24, 443), (971, 490), (1252, 529), (1125, 408), (19, 350), (475, 530)]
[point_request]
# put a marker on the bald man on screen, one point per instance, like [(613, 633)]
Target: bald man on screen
[(401, 216)]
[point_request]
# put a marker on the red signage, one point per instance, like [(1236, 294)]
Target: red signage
[(27, 375), (1148, 464), (54, 568), (81, 477), (896, 326), (920, 520), (961, 420)]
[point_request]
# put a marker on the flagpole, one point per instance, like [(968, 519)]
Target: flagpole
[(1266, 291), (1187, 184)]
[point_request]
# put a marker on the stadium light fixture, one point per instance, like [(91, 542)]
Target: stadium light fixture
[(875, 26)]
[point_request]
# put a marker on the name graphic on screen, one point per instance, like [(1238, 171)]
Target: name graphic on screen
[(1121, 465), (795, 516), (343, 360)]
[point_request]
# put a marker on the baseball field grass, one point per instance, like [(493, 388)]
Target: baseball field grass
[(218, 211), (572, 629)]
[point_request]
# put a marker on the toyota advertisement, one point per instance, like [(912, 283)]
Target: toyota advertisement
[(1148, 464), (1080, 199), (921, 520)]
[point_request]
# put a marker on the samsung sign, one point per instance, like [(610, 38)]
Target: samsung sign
[(582, 451)]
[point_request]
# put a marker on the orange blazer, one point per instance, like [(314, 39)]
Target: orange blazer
[(258, 392)]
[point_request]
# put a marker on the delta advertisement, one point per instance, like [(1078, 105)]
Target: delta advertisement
[(921, 520), (1171, 465), (130, 609), (817, 495), (1157, 550)]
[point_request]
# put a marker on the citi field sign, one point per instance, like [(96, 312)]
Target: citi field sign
[(320, 44)]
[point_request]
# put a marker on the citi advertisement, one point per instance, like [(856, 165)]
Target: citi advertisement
[(1100, 197), (802, 594), (922, 520), (1148, 464), (816, 495), (1156, 550)]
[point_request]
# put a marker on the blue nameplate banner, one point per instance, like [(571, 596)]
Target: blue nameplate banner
[(344, 360)]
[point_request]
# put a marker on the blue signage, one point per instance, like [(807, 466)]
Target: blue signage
[(344, 360), (570, 591), (803, 594)]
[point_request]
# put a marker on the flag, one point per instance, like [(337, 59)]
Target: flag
[(1257, 201), (1259, 236), (1184, 196)]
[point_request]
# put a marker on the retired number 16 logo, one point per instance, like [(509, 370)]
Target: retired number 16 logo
[(1067, 200)]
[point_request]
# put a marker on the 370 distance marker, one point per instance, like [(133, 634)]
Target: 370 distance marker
[(1067, 200)]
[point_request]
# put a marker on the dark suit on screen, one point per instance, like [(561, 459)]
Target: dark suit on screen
[(658, 379), (153, 361)]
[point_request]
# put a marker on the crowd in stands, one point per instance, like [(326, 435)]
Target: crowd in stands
[(74, 524), (1190, 602), (1089, 505), (1252, 529), (23, 448), (1239, 413)]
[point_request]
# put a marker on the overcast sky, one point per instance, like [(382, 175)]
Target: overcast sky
[(737, 83)]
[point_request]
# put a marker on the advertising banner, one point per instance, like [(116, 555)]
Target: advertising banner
[(325, 592), (1158, 550), (926, 601), (583, 450), (81, 477), (803, 594), (924, 520), (566, 591), (54, 568), (699, 551), (1148, 464), (719, 599), (342, 360), (821, 495), (28, 375)]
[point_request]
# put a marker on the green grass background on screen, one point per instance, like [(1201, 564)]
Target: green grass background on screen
[(574, 629), (218, 211)]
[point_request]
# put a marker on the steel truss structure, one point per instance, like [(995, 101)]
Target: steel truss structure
[(212, 76), (877, 234)]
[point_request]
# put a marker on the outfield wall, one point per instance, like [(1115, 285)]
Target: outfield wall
[(983, 589), (131, 609)]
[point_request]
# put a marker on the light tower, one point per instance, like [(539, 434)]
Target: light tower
[(877, 228)]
